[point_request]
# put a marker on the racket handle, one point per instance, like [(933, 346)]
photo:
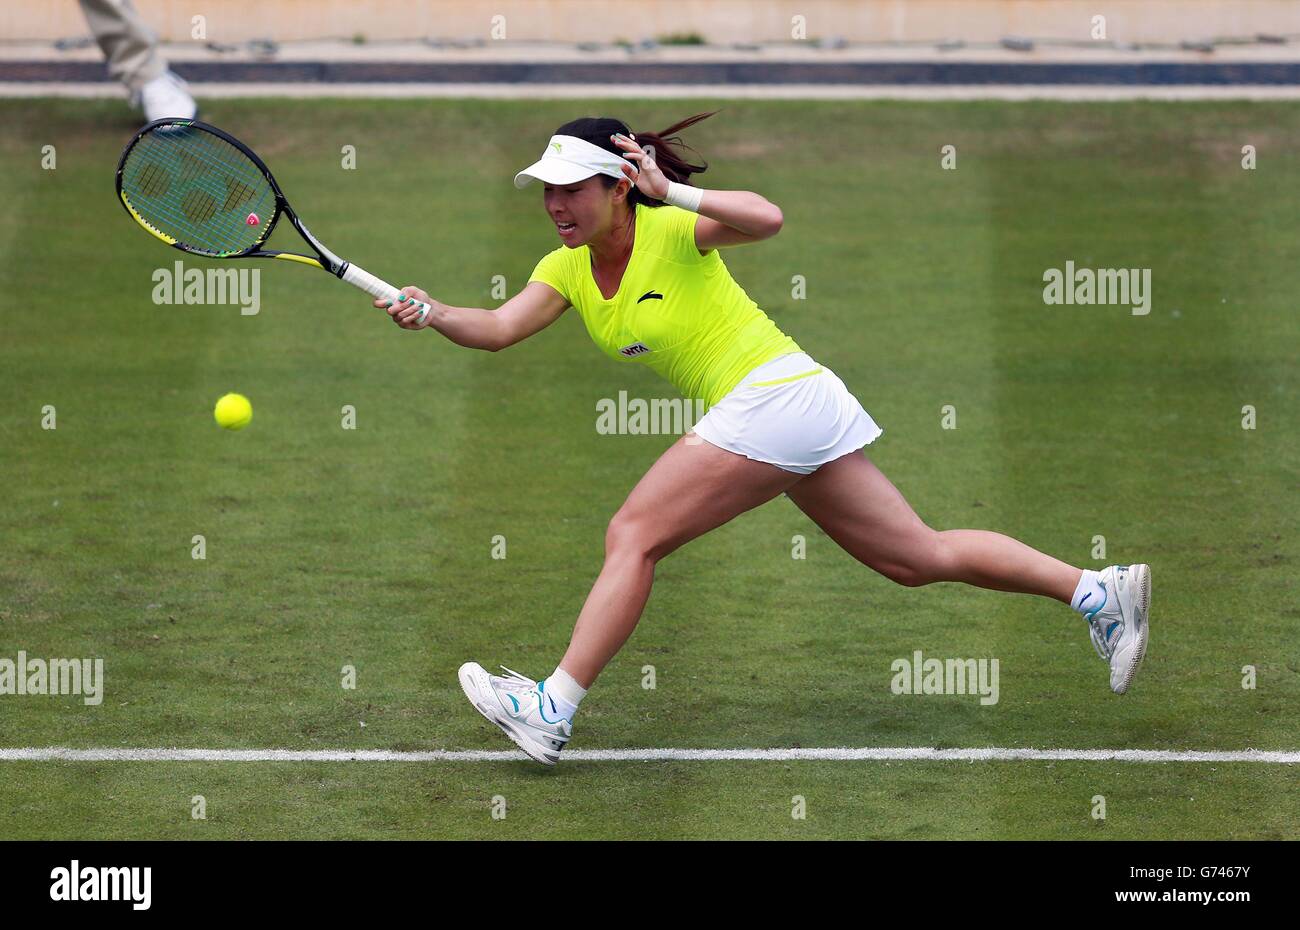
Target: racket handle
[(376, 287)]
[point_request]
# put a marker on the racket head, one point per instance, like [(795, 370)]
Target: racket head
[(198, 189)]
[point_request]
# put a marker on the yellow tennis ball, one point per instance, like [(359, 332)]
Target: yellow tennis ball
[(233, 411)]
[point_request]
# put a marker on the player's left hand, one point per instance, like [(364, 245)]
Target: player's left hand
[(649, 179)]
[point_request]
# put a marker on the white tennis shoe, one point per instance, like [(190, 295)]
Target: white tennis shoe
[(1118, 625), (519, 706)]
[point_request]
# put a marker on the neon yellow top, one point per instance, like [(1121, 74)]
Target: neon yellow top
[(677, 311)]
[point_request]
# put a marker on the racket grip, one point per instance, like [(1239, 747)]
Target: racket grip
[(376, 287)]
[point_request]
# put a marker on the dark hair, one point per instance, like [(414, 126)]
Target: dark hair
[(597, 131)]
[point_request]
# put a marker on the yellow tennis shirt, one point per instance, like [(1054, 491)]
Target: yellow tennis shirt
[(676, 311)]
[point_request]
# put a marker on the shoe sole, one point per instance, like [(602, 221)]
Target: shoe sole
[(506, 726), (1143, 573)]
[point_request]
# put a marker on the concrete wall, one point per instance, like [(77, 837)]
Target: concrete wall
[(718, 21)]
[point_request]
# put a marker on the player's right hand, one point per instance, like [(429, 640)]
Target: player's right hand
[(406, 313)]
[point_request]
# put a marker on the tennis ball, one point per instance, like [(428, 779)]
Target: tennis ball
[(233, 411)]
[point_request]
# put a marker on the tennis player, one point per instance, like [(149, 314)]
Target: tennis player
[(640, 259)]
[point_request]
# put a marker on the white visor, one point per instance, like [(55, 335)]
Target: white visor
[(568, 160)]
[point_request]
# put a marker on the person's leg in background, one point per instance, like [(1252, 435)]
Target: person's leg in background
[(130, 48)]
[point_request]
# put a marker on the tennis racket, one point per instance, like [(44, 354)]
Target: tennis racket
[(202, 191)]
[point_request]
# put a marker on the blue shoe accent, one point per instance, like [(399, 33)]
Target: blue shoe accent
[(1096, 610), (1111, 629), (514, 702), (541, 710)]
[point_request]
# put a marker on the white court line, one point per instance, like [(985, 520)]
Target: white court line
[(843, 754), (1083, 92)]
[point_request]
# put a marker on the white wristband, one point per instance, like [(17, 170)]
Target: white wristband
[(684, 196)]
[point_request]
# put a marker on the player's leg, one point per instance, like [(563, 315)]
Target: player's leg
[(859, 508), (692, 488)]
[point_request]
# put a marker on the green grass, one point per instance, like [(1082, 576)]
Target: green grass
[(372, 547)]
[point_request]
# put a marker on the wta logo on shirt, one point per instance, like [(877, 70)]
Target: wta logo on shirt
[(636, 348)]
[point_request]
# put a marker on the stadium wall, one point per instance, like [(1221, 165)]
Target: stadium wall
[(715, 21)]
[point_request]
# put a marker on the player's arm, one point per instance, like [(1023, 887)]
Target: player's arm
[(735, 218), (725, 217), (534, 308)]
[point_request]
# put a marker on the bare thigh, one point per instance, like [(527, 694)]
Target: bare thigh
[(692, 488), (858, 507)]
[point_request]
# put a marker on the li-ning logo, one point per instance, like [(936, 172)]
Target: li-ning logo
[(78, 883), (556, 146), (636, 348), (650, 295)]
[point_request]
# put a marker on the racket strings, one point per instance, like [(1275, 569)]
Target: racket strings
[(198, 189), (196, 159), (185, 217), (202, 162)]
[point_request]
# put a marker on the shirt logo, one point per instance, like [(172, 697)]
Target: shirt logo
[(650, 295), (636, 348)]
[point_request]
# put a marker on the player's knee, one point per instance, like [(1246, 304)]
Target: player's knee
[(629, 536), (908, 575), (923, 561)]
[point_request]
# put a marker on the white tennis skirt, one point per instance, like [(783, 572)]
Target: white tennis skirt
[(789, 412)]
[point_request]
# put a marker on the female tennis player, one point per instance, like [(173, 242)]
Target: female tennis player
[(639, 259)]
